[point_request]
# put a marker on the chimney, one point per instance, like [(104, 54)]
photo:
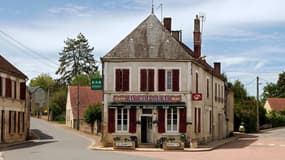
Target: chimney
[(167, 23), (197, 37), (177, 35), (217, 67)]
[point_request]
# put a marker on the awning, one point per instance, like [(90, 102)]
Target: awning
[(147, 105)]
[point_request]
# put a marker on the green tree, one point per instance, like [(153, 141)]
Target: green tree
[(75, 59), (275, 89), (43, 80), (92, 114)]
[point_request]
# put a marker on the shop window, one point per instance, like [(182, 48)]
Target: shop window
[(147, 79), (122, 80), (172, 120), (122, 120)]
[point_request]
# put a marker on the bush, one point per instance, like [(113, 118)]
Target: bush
[(275, 118)]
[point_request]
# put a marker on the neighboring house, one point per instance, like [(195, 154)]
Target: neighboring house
[(14, 111), (87, 97), (155, 86), (275, 104), (38, 99)]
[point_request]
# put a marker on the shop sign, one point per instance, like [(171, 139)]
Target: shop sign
[(123, 144), (146, 98), (197, 96), (97, 84)]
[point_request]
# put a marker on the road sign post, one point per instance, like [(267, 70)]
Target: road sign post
[(97, 84)]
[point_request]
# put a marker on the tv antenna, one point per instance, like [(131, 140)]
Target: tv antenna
[(152, 7), (202, 17), (161, 10)]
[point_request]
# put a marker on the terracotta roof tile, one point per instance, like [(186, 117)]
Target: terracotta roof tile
[(277, 104), (86, 97), (7, 67)]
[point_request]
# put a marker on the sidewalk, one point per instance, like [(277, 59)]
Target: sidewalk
[(207, 147)]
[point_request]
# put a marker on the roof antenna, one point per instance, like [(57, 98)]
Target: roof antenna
[(161, 10), (152, 6)]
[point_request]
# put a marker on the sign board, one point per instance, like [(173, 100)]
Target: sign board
[(97, 84), (146, 98), (123, 144), (172, 144), (197, 96)]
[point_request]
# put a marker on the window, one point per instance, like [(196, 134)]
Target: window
[(147, 80), (8, 88), (122, 80), (210, 122), (19, 122), (15, 121), (23, 121), (168, 80), (10, 122), (122, 120), (172, 120), (219, 92), (197, 83), (222, 99), (15, 89), (23, 91), (197, 120), (1, 86), (216, 92), (208, 88)]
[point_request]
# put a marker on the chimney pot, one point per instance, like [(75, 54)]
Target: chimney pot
[(217, 67), (197, 37), (167, 23)]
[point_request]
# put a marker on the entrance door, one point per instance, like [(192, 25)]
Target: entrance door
[(2, 126), (146, 129)]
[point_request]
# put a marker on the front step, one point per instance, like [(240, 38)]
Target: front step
[(146, 146)]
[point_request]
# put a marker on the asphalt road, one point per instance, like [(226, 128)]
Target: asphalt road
[(58, 144), (266, 145)]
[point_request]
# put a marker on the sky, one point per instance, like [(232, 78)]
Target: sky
[(246, 36)]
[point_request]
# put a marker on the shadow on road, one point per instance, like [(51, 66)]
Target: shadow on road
[(39, 138), (40, 135), (241, 142)]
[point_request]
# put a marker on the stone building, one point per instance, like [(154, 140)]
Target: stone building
[(155, 86), (87, 97), (14, 115)]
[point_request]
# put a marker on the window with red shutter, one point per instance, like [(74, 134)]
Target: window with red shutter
[(118, 80), (126, 80), (143, 80), (111, 120), (182, 120), (151, 80), (8, 87), (133, 119), (175, 80), (161, 121), (199, 120), (197, 83), (1, 88), (23, 91), (161, 80)]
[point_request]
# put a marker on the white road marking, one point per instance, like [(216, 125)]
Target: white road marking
[(271, 144), (282, 145), (259, 144)]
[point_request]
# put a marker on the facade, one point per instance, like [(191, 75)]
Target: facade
[(155, 86), (14, 115), (39, 99), (276, 104), (87, 97)]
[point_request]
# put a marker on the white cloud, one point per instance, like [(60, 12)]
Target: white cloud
[(71, 10)]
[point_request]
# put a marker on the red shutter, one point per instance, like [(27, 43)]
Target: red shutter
[(199, 120), (126, 81), (161, 80), (118, 80), (111, 120), (133, 119), (182, 120), (1, 86), (175, 80), (151, 80), (8, 88), (161, 121), (15, 89), (195, 120), (197, 83), (23, 91), (143, 80)]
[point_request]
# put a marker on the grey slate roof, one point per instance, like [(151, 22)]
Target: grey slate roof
[(150, 40)]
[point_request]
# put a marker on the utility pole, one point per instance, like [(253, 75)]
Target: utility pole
[(48, 103), (257, 103)]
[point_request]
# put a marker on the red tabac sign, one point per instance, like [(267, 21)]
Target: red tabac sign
[(197, 96), (146, 98)]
